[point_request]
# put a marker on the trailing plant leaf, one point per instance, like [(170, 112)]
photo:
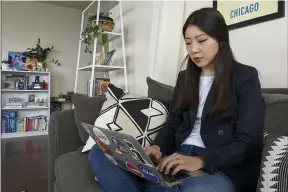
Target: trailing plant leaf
[(5, 61), (91, 32), (104, 38)]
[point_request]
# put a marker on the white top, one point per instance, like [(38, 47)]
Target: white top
[(204, 88)]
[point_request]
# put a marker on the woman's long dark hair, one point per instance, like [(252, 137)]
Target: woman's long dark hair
[(211, 22)]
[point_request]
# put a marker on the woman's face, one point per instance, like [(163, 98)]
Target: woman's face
[(201, 48)]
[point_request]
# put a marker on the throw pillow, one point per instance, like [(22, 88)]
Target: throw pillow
[(86, 110), (274, 165), (132, 114), (160, 91)]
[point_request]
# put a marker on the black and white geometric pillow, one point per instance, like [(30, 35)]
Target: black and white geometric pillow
[(131, 114), (274, 165)]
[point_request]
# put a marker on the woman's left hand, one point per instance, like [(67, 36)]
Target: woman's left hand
[(180, 162)]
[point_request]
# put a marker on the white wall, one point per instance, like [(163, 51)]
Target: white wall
[(23, 22), (266, 44), (137, 18)]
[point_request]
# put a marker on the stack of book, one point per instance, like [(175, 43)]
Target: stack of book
[(99, 86), (11, 123)]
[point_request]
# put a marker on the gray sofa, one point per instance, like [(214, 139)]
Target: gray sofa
[(69, 169)]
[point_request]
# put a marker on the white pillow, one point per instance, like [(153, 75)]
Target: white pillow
[(131, 114), (89, 144)]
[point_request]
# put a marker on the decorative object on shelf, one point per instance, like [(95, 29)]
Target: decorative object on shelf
[(239, 14), (6, 84), (93, 30), (108, 57), (37, 86), (31, 98), (45, 85), (29, 87), (14, 102), (17, 61), (5, 65), (31, 65), (99, 58), (37, 79), (35, 101), (40, 55)]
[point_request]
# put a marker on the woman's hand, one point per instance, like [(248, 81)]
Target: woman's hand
[(153, 152), (180, 162)]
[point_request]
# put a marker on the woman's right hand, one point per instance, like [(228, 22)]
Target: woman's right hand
[(153, 152)]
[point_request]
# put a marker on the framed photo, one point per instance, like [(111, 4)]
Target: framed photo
[(30, 65), (239, 14), (31, 98), (17, 60)]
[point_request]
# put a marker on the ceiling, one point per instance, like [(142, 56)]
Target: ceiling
[(71, 4)]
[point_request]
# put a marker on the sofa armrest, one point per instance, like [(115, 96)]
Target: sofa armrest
[(63, 138)]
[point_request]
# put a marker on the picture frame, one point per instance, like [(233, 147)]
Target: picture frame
[(37, 85), (17, 60), (240, 14)]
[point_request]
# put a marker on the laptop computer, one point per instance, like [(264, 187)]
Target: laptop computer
[(125, 152)]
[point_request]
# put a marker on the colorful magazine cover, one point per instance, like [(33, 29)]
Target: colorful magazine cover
[(17, 60)]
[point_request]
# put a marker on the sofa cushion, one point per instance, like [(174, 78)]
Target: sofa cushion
[(274, 165), (276, 113), (160, 91), (73, 174), (86, 110), (131, 114)]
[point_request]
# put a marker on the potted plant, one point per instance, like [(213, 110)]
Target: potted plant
[(93, 30), (39, 54), (5, 64)]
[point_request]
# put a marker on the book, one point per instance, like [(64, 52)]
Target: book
[(11, 123), (99, 86)]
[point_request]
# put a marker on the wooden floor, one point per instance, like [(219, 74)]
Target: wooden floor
[(24, 164)]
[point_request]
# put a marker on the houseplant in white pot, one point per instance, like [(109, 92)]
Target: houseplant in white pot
[(40, 55)]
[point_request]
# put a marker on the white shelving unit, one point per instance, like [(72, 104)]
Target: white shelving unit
[(23, 94), (97, 7)]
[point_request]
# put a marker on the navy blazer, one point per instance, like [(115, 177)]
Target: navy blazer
[(233, 139)]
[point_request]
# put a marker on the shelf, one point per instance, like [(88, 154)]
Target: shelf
[(25, 72), (14, 90), (56, 101), (111, 36), (23, 134), (102, 68), (25, 108)]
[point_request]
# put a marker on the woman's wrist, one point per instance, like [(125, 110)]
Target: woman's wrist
[(199, 161)]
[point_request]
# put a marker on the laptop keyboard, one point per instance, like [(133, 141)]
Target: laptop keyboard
[(172, 178)]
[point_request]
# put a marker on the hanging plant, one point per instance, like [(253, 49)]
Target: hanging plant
[(93, 30)]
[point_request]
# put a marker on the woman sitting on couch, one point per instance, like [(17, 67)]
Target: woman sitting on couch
[(215, 121)]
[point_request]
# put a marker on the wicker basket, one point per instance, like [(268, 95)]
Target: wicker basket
[(105, 25)]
